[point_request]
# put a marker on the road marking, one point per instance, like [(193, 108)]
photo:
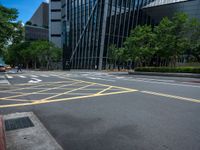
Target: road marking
[(171, 96), (67, 92), (22, 76), (104, 90), (85, 95), (94, 78), (19, 100), (154, 82), (158, 80), (120, 77), (26, 94), (34, 80), (64, 99), (9, 77), (127, 89), (34, 76), (44, 76)]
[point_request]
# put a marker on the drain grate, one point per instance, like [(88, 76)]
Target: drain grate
[(18, 123)]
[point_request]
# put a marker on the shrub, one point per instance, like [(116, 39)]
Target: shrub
[(169, 69)]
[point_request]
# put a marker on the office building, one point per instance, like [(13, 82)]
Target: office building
[(37, 26), (86, 28)]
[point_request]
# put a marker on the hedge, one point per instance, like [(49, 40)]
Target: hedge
[(169, 69)]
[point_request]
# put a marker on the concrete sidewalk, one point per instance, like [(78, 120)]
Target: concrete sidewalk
[(24, 131)]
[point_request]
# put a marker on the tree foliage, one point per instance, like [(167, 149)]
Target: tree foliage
[(34, 54), (163, 44), (140, 44), (8, 26)]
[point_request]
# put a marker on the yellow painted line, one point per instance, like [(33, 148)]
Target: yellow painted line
[(18, 100), (172, 96), (18, 89), (64, 99), (67, 92), (104, 90), (128, 89), (43, 83), (26, 94)]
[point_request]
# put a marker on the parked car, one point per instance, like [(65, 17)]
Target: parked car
[(8, 67), (2, 68)]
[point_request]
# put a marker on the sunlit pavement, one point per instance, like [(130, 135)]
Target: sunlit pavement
[(109, 111)]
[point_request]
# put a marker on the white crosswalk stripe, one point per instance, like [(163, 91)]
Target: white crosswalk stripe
[(34, 76), (22, 76), (44, 76), (9, 77)]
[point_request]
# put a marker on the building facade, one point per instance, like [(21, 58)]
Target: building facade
[(38, 26), (86, 28)]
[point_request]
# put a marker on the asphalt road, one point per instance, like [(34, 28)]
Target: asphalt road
[(109, 111)]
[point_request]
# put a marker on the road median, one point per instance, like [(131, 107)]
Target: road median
[(187, 75)]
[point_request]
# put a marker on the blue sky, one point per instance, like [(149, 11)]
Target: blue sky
[(26, 8)]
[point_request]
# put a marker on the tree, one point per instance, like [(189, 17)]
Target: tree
[(140, 45), (15, 53), (194, 39), (112, 55), (44, 52), (171, 39), (7, 24), (28, 23)]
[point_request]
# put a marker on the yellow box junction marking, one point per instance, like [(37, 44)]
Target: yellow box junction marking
[(78, 85)]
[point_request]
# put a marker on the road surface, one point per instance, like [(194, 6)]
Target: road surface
[(109, 111)]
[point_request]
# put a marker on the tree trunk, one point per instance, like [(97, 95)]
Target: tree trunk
[(35, 64), (26, 65)]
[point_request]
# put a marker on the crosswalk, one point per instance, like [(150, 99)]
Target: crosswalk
[(31, 76), (35, 77)]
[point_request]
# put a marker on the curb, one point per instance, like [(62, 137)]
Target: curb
[(186, 75), (2, 135)]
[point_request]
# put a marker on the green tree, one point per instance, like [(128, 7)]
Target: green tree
[(28, 23), (112, 55), (15, 54), (194, 39), (171, 38), (7, 25), (140, 45), (44, 52)]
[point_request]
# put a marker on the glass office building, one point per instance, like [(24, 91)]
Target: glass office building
[(89, 27)]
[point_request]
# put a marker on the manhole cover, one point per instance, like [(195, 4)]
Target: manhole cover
[(18, 123)]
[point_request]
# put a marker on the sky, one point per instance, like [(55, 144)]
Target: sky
[(26, 8)]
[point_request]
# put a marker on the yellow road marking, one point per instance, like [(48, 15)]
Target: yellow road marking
[(67, 92), (64, 99), (38, 85), (42, 83), (172, 96), (26, 94), (18, 100), (128, 89), (104, 90), (47, 100)]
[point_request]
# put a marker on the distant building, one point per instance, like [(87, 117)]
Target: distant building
[(86, 28), (36, 33), (55, 22), (37, 27)]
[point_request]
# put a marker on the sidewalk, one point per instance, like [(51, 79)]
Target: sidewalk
[(186, 75), (24, 131)]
